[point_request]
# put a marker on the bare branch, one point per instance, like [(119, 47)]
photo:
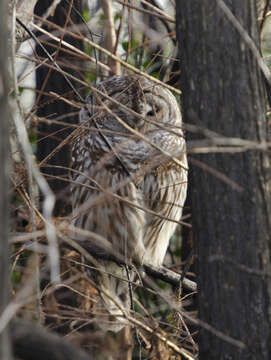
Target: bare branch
[(159, 15), (114, 57), (110, 35), (169, 276), (49, 197), (102, 249)]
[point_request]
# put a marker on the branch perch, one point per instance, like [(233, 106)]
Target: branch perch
[(169, 276), (104, 251)]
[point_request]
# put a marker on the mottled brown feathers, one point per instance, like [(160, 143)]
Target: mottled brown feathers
[(116, 164)]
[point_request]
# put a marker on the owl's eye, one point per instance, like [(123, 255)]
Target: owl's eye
[(150, 113), (153, 111)]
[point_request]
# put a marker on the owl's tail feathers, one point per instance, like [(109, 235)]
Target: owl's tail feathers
[(114, 292)]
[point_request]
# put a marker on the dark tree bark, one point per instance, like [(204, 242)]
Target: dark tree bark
[(223, 91), (4, 251), (50, 136)]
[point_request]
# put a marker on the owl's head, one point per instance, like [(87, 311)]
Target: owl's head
[(129, 109), (136, 100)]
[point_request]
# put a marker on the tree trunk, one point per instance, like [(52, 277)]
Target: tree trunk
[(4, 253), (223, 91), (51, 135)]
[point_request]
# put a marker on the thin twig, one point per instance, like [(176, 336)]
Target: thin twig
[(49, 56), (265, 12), (110, 35), (148, 12), (123, 63), (139, 323), (103, 244), (228, 339), (49, 197), (223, 177), (141, 136), (247, 39), (29, 166)]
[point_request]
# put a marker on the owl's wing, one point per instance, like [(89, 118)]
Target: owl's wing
[(164, 193)]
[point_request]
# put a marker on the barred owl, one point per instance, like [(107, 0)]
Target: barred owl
[(130, 168)]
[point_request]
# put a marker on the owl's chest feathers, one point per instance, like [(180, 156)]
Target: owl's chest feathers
[(161, 186), (155, 191), (127, 201)]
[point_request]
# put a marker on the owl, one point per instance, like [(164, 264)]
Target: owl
[(129, 175)]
